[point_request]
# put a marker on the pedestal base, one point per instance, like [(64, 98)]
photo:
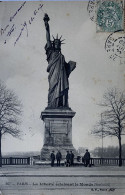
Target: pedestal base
[(46, 151), (58, 132)]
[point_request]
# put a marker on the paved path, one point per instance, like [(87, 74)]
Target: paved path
[(44, 180)]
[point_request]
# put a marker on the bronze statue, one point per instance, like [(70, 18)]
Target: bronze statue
[(58, 70)]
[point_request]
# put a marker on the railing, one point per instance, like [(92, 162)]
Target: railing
[(106, 161), (16, 161), (93, 161)]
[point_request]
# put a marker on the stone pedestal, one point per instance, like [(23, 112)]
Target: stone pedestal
[(58, 132)]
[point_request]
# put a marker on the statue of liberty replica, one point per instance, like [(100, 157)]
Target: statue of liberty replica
[(57, 115)]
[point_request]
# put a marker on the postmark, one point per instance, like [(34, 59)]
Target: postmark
[(110, 16), (91, 8), (115, 46)]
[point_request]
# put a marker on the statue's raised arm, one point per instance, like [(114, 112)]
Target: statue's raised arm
[(46, 19)]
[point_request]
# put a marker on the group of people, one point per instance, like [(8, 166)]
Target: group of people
[(69, 159), (58, 157)]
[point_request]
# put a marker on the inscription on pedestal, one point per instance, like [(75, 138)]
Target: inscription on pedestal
[(60, 127)]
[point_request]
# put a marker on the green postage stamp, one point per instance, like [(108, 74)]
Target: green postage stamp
[(110, 15)]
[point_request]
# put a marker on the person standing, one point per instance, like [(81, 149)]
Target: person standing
[(68, 159), (58, 158), (87, 158), (71, 158), (52, 156)]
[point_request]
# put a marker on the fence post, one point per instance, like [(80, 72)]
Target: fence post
[(28, 160), (90, 161), (0, 161), (100, 161), (10, 160)]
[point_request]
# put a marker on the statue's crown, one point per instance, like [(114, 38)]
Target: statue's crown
[(58, 39)]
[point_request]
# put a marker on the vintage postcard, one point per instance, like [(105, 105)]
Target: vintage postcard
[(62, 97)]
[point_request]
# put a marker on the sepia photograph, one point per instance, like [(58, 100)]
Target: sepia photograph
[(62, 97)]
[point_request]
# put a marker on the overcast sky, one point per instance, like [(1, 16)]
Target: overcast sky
[(23, 68)]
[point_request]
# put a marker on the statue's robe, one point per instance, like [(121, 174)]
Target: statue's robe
[(59, 72)]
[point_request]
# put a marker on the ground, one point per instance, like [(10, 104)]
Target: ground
[(46, 180)]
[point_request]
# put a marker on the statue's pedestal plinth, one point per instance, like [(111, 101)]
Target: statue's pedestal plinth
[(58, 132)]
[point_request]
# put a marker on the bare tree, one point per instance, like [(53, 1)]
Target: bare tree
[(113, 117), (10, 111)]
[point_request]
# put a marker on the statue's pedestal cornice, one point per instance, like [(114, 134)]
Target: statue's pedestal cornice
[(61, 112)]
